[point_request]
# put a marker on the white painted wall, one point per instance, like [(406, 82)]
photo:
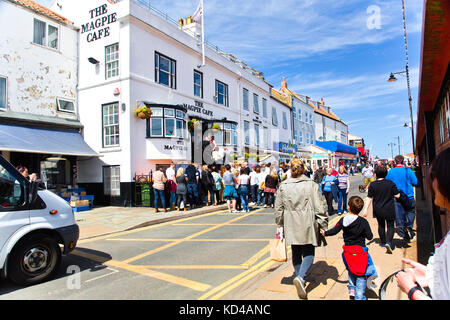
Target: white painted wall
[(36, 75), (140, 33)]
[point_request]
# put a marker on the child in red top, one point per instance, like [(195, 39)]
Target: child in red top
[(356, 258)]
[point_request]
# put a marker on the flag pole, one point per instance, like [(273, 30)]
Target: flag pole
[(203, 34)]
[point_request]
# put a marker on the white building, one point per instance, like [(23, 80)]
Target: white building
[(302, 118), (39, 118), (328, 126), (131, 56)]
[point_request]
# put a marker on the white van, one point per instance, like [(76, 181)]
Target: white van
[(33, 225)]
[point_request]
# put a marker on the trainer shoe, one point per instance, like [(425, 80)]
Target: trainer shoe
[(351, 294), (299, 284), (388, 248)]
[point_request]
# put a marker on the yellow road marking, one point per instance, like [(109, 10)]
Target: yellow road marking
[(194, 285), (257, 256), (121, 233), (221, 290), (187, 240), (150, 252), (234, 224), (196, 267)]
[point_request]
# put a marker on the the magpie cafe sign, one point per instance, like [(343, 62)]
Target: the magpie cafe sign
[(198, 108), (98, 27)]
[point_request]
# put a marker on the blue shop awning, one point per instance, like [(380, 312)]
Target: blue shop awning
[(41, 140), (335, 146)]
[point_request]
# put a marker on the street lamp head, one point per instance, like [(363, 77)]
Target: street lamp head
[(392, 78)]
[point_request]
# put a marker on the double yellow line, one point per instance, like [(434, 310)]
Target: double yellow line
[(221, 290)]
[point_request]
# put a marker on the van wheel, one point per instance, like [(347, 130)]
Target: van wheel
[(34, 259)]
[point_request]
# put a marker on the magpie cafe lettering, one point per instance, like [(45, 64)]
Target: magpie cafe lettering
[(198, 108), (98, 27)]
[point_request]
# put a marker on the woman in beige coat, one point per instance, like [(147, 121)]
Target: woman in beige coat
[(301, 211)]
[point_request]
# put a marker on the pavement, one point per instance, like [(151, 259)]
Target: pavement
[(327, 279)]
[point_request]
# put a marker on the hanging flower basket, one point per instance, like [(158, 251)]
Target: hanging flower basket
[(143, 112), (215, 127), (192, 124)]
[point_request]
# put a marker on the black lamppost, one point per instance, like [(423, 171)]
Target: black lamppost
[(392, 78)]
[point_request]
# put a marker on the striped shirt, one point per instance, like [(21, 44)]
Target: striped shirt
[(343, 181)]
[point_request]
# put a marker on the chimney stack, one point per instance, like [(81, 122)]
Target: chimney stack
[(321, 101)]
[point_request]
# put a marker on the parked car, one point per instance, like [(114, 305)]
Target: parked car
[(36, 228)]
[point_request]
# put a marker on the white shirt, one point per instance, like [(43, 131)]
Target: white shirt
[(243, 179), (170, 173), (262, 177), (367, 172), (254, 178), (438, 270)]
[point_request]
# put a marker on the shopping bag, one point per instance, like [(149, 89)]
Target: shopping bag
[(278, 250)]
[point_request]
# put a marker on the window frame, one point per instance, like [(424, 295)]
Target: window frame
[(112, 61), (246, 132), (285, 121), (6, 93), (201, 83), (65, 110), (245, 94), (256, 128), (172, 73), (111, 192), (218, 82), (255, 103), (274, 119), (46, 38), (264, 107), (163, 116), (104, 145)]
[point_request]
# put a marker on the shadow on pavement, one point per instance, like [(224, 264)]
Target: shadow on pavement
[(69, 264), (320, 273)]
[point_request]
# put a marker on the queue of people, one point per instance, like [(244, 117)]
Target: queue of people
[(239, 185)]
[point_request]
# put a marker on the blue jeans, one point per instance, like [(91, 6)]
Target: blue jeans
[(342, 203), (254, 189), (211, 194), (243, 192), (302, 258), (261, 199), (192, 189), (357, 283), (173, 199), (159, 194)]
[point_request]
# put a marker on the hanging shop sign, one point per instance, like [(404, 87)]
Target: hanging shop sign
[(98, 27), (287, 147)]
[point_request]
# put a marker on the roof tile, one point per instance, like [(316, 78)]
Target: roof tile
[(41, 9)]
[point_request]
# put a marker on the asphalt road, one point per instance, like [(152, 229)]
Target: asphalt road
[(194, 258)]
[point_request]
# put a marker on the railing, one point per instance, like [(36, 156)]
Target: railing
[(165, 16)]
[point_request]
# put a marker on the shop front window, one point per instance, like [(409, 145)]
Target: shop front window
[(55, 172), (166, 123), (227, 136)]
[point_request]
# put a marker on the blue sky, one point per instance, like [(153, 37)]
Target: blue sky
[(325, 49)]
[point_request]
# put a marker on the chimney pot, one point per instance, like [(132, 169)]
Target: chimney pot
[(284, 84), (321, 101)]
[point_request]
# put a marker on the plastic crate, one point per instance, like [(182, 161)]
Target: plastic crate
[(80, 209)]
